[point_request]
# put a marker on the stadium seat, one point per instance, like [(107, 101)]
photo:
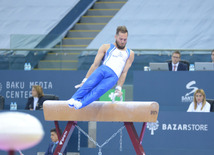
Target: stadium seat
[(51, 97), (1, 102), (211, 101)]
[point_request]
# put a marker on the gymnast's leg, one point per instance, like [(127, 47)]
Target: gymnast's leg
[(99, 90), (91, 82)]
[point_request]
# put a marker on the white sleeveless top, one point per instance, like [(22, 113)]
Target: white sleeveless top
[(116, 59)]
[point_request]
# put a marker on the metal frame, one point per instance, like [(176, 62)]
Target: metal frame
[(136, 141), (11, 152), (65, 136)]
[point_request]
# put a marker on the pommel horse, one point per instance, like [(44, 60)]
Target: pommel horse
[(127, 112)]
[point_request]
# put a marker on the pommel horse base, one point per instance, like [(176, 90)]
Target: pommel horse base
[(127, 112)]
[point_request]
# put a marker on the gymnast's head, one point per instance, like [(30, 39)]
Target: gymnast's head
[(121, 37)]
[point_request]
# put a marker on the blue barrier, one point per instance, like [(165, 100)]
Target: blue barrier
[(175, 133), (16, 86), (172, 90)]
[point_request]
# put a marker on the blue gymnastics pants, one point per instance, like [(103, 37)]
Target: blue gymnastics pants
[(100, 81)]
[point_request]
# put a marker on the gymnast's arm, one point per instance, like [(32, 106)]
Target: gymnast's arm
[(124, 73), (100, 54)]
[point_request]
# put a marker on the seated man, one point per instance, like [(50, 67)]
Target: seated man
[(175, 65), (52, 146)]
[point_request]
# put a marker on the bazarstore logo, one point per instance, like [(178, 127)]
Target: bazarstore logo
[(152, 126), (179, 127), (184, 127), (189, 96)]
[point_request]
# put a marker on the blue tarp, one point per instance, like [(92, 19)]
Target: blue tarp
[(163, 24), (25, 23)]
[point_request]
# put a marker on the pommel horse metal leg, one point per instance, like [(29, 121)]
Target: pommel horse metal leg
[(57, 129), (64, 137), (11, 152), (136, 141)]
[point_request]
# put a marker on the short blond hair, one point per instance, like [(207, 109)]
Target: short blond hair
[(121, 29)]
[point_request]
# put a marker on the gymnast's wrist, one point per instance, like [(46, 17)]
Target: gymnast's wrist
[(118, 88), (85, 79)]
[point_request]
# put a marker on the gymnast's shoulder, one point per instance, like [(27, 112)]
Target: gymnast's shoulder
[(104, 47)]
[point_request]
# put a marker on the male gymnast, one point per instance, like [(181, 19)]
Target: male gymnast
[(117, 59)]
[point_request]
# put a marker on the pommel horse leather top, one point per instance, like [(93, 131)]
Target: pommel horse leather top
[(102, 111), (127, 112)]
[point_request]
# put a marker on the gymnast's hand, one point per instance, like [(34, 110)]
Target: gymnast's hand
[(118, 93), (80, 85)]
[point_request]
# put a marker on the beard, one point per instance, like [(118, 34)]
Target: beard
[(120, 47)]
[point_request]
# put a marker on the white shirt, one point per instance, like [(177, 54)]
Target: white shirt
[(116, 59), (35, 101), (198, 109), (176, 66)]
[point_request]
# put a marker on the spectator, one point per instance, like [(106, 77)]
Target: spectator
[(175, 65), (199, 104), (55, 140), (35, 102), (212, 56)]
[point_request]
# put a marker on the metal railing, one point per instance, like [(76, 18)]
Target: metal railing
[(85, 49), (15, 56)]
